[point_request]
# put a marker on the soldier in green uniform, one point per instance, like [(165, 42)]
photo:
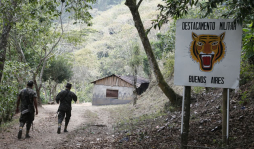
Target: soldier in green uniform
[(27, 97), (65, 97)]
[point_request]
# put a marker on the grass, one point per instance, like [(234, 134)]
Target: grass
[(129, 122), (92, 116), (6, 125)]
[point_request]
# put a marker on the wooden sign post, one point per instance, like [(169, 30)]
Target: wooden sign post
[(225, 117), (185, 116)]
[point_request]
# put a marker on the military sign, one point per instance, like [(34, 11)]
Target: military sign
[(207, 53)]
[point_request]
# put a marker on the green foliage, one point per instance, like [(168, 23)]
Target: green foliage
[(239, 10), (164, 44), (198, 89), (164, 49), (80, 10), (248, 43), (15, 76), (135, 60), (43, 100), (103, 5), (244, 97), (168, 69), (246, 72), (87, 94), (116, 62), (59, 69), (146, 66)]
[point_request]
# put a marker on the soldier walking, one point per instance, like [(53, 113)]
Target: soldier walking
[(27, 97), (65, 97)]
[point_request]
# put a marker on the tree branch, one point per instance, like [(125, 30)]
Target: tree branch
[(18, 46), (131, 4), (60, 35), (139, 3), (46, 57)]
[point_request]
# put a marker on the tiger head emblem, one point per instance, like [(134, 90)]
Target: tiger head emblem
[(207, 50)]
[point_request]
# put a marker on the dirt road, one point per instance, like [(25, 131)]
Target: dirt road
[(44, 134)]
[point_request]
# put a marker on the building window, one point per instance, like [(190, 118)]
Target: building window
[(112, 93)]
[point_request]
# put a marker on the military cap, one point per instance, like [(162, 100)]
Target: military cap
[(30, 83), (68, 85)]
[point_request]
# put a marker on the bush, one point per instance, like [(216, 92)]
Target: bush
[(14, 77), (246, 73), (168, 69), (87, 94)]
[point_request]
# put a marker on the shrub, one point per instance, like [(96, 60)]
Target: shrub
[(14, 77)]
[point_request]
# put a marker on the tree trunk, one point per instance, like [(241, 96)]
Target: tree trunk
[(167, 90), (18, 47), (37, 88), (54, 91), (135, 86), (3, 46), (50, 91), (7, 25), (45, 92), (50, 95)]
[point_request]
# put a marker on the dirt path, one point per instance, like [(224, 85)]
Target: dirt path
[(45, 126)]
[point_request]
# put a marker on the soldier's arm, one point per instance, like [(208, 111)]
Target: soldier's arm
[(58, 98), (18, 101), (35, 104), (75, 98)]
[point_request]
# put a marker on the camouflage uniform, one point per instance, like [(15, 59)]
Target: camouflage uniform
[(65, 97), (27, 107)]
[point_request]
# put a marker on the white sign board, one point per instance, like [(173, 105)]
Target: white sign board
[(208, 53)]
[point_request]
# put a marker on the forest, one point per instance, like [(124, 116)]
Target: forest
[(52, 42)]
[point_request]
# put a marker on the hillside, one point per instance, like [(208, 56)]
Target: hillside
[(112, 37)]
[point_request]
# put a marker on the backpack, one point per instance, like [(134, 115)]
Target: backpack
[(30, 105)]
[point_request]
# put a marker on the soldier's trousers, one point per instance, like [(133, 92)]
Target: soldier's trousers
[(27, 119), (62, 114)]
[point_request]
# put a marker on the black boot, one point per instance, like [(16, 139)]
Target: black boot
[(27, 134), (21, 125), (20, 133), (65, 129), (59, 128), (28, 126), (66, 124)]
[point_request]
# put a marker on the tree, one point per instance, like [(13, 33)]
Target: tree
[(7, 20), (167, 90), (240, 10), (59, 69), (15, 76), (134, 64), (13, 12)]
